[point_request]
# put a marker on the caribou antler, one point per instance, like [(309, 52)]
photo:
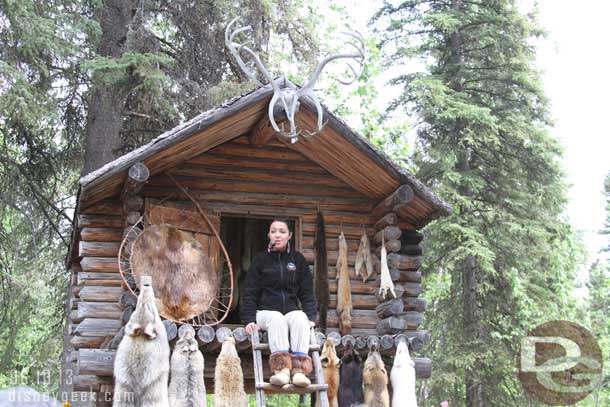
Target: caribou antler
[(289, 96)]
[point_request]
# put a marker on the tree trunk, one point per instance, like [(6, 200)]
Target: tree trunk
[(104, 120)]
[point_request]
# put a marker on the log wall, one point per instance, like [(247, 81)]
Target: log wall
[(241, 179)]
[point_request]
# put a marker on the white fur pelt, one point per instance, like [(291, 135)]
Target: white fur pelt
[(229, 378), (403, 378), (141, 366), (186, 387)]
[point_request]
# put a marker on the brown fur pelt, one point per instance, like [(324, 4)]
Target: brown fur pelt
[(330, 368), (229, 378), (375, 381), (321, 273), (344, 292), (183, 276), (350, 375), (141, 366), (186, 387)]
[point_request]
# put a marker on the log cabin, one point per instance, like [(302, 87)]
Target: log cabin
[(242, 173)]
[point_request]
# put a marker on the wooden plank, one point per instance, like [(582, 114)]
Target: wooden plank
[(358, 301), (101, 294), (394, 202), (98, 221), (182, 219), (101, 310), (101, 235), (249, 162), (98, 249), (85, 278), (98, 327), (269, 153), (92, 342), (103, 208), (100, 264)]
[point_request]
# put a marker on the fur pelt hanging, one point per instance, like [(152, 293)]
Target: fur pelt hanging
[(403, 378), (229, 377), (364, 259), (375, 381), (350, 377), (321, 273), (330, 368), (186, 387), (386, 280), (344, 291)]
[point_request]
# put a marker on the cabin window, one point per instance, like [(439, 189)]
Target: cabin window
[(244, 237)]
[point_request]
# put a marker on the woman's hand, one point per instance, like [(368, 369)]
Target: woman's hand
[(251, 327)]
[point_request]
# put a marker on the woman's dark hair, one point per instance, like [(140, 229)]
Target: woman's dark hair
[(283, 220)]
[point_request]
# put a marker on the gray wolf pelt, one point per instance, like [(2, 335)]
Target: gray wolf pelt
[(229, 378), (186, 387), (141, 366), (375, 380)]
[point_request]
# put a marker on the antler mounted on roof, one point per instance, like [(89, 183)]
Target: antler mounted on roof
[(289, 96)]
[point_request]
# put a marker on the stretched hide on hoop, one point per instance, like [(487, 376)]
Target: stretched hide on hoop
[(183, 277)]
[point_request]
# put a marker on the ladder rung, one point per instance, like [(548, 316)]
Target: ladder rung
[(265, 346), (291, 388)]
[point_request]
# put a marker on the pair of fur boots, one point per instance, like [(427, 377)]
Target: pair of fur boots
[(284, 364)]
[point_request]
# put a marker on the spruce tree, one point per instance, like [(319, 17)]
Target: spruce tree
[(504, 259)]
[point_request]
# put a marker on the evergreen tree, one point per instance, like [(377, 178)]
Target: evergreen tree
[(504, 259)]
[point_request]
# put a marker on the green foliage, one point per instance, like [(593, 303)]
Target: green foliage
[(504, 260)]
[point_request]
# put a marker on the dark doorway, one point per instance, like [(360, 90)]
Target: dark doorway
[(244, 237)]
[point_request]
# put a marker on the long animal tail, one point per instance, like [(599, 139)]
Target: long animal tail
[(321, 269)]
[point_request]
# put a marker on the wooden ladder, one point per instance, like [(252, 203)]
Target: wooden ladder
[(260, 386)]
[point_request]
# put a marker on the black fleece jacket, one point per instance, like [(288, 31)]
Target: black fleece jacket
[(278, 281)]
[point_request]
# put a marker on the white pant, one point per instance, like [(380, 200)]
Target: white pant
[(278, 326)]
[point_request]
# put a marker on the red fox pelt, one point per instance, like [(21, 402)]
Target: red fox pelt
[(330, 368), (141, 366), (344, 292), (186, 387), (375, 381), (229, 378), (183, 276)]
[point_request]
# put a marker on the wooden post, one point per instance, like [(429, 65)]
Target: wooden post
[(136, 178)]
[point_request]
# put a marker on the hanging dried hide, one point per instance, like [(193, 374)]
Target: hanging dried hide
[(321, 273), (330, 368), (229, 377), (186, 387), (364, 259), (403, 378), (344, 291), (386, 280), (183, 277), (375, 381)]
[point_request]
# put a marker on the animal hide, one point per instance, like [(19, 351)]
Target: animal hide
[(321, 273), (344, 292), (375, 381), (403, 378), (229, 378), (141, 366), (186, 387), (364, 259), (330, 368), (183, 276), (386, 279), (350, 378)]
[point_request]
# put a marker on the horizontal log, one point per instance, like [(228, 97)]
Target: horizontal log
[(387, 233), (394, 202), (100, 221), (137, 175), (94, 278), (87, 342), (412, 318), (389, 219), (409, 276), (98, 362), (102, 310), (358, 301), (391, 246), (410, 237), (98, 249), (126, 314), (171, 329), (127, 300), (133, 217), (100, 264), (182, 219), (101, 234), (98, 327), (411, 250), (90, 382), (101, 294), (390, 307), (331, 256), (133, 203), (414, 304), (398, 290), (102, 208), (412, 289), (404, 262), (331, 244), (248, 162), (332, 231)]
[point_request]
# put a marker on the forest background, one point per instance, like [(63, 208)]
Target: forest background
[(470, 119)]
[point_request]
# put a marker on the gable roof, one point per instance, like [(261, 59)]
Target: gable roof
[(337, 148)]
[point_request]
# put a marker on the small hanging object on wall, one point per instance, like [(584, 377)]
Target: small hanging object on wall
[(344, 290), (321, 273), (364, 258), (386, 280), (290, 96)]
